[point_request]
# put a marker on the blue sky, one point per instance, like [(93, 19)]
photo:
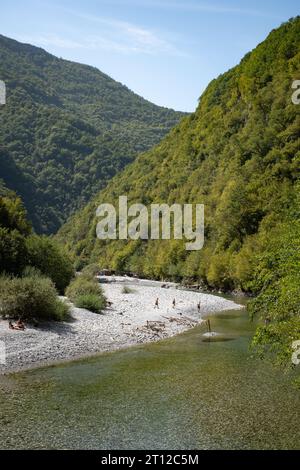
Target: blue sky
[(165, 50)]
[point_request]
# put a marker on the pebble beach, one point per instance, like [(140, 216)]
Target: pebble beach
[(131, 318)]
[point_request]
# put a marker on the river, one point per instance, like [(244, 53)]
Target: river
[(180, 393)]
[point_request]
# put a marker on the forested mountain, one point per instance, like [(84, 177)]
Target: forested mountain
[(66, 129), (239, 154)]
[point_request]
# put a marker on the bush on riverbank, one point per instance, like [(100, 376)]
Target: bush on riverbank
[(86, 292), (20, 248), (46, 255), (30, 297), (127, 290), (91, 269), (91, 302)]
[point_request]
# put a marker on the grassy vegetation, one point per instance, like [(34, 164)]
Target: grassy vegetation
[(91, 302), (127, 290), (30, 298), (91, 269), (85, 292)]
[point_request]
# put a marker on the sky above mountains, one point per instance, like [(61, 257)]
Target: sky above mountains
[(165, 50)]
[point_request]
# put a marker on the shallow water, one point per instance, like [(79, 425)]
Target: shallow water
[(181, 393)]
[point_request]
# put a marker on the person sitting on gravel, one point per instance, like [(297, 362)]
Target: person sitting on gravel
[(17, 326), (156, 303), (20, 324)]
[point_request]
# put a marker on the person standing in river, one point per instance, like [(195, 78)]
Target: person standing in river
[(174, 303), (199, 306), (156, 303)]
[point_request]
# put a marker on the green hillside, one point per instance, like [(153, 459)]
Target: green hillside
[(239, 154), (66, 129)]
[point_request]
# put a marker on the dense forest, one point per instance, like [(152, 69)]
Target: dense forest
[(33, 268), (66, 129), (239, 155)]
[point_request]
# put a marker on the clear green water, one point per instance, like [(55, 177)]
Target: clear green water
[(181, 393)]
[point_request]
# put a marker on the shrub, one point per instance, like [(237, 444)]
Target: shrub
[(86, 290), (91, 269), (127, 290), (30, 271), (31, 297), (78, 264), (46, 255), (82, 285), (91, 302)]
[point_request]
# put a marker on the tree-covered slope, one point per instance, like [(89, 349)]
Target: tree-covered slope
[(238, 154), (66, 129)]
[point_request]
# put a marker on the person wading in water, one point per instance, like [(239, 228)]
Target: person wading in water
[(156, 303), (174, 303), (199, 306)]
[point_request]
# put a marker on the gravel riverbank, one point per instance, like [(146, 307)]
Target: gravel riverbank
[(131, 319)]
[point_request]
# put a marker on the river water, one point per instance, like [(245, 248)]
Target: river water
[(180, 393)]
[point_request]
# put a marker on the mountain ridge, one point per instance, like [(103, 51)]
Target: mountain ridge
[(69, 128), (238, 154)]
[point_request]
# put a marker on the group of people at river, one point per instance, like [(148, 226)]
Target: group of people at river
[(156, 304), (19, 325)]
